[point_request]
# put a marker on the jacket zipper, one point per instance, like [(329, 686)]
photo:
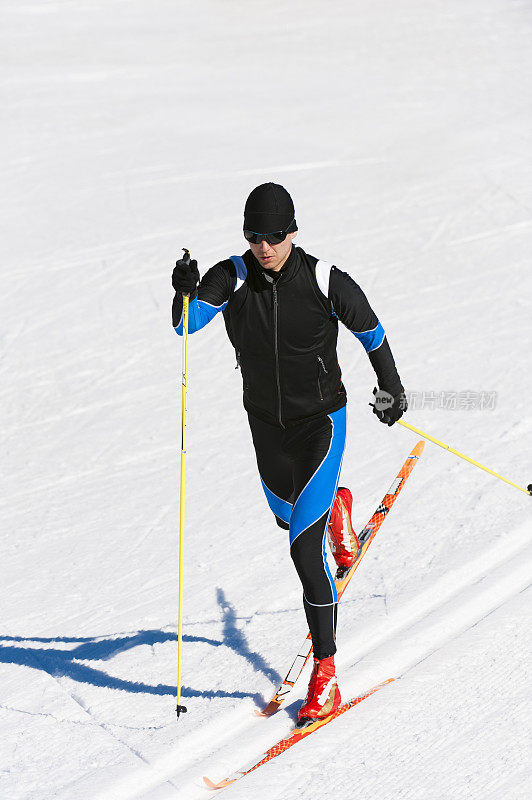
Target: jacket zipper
[(326, 371), (276, 346), (239, 366)]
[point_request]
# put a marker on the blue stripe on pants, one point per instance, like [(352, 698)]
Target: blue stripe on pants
[(318, 495), (300, 465), (281, 508)]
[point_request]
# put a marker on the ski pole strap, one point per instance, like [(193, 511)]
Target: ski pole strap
[(448, 447)]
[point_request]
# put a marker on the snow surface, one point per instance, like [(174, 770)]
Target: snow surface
[(132, 129)]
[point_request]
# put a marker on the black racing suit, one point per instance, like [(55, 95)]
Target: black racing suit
[(284, 329)]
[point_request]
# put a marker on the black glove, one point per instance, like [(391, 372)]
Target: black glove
[(185, 277), (387, 407)]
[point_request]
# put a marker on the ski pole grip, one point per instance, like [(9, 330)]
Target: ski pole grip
[(186, 259)]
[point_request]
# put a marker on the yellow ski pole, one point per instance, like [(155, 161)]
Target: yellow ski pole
[(448, 447), (181, 708)]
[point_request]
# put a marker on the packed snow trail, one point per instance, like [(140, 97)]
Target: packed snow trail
[(131, 130), (404, 641)]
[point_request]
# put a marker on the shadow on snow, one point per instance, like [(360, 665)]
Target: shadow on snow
[(66, 663)]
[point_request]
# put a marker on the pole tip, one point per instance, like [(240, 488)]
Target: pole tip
[(181, 710), (529, 488)]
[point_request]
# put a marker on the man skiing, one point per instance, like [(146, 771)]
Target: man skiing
[(281, 308)]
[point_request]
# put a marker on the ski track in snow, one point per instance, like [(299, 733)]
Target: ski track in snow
[(451, 607), (132, 130)]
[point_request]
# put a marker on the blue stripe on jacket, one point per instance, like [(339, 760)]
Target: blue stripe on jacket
[(241, 271), (371, 340), (199, 314)]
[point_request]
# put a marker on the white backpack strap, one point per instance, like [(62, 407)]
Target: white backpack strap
[(323, 273)]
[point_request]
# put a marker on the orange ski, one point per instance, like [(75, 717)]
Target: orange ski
[(295, 736), (365, 537)]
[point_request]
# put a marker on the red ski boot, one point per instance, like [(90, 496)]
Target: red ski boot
[(342, 538), (323, 696)]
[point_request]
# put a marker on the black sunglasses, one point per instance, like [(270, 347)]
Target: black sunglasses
[(276, 237)]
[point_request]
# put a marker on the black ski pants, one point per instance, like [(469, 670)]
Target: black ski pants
[(300, 469)]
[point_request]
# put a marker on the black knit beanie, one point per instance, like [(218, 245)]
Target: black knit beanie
[(269, 208)]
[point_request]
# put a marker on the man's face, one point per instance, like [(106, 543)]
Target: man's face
[(272, 256)]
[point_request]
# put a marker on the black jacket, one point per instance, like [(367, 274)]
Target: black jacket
[(284, 328)]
